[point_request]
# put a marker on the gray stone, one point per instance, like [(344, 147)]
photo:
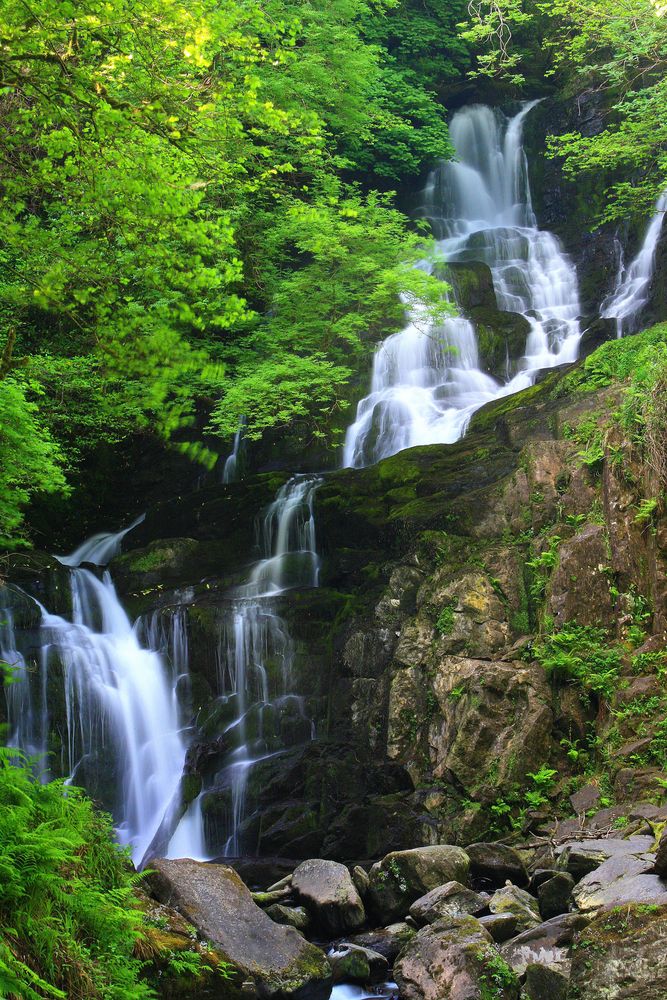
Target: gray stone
[(361, 880), (495, 863), (555, 895), (621, 879), (292, 916), (449, 900), (328, 892), (501, 926), (519, 903), (275, 958), (580, 857), (586, 798), (453, 959), (547, 944), (403, 876)]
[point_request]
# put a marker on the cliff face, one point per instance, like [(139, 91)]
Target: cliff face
[(487, 611)]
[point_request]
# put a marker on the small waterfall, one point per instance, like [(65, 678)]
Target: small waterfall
[(257, 652), (427, 382), (231, 471), (631, 292), (123, 737)]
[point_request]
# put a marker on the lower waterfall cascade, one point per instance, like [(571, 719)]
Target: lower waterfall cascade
[(125, 686)]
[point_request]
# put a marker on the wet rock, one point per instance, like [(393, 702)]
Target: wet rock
[(275, 958), (545, 983), (546, 944), (519, 903), (327, 890), (403, 876), (494, 864), (353, 963), (501, 926), (622, 954), (293, 916), (449, 900), (555, 895), (620, 879), (453, 959), (387, 941)]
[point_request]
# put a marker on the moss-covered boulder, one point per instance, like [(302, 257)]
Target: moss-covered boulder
[(275, 959), (328, 892), (404, 876)]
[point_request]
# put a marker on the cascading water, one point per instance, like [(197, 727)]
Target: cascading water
[(231, 470), (122, 713), (257, 652), (631, 292), (427, 382)]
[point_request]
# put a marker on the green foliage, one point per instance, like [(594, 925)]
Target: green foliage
[(445, 621), (582, 654), (541, 567), (68, 918)]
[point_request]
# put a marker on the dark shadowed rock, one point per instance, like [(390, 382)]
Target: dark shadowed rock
[(292, 916), (622, 954), (403, 876), (361, 880), (555, 895), (660, 866), (454, 959), (449, 900), (387, 941), (545, 983), (501, 926), (327, 890), (277, 959), (495, 864)]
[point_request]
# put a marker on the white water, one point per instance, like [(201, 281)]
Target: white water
[(631, 293), (257, 651), (426, 381), (232, 468), (123, 718)]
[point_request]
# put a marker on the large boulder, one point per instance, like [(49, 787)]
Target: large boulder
[(328, 892), (622, 954), (388, 941), (621, 879), (493, 864), (449, 900), (580, 857), (454, 959), (402, 877), (274, 958), (546, 944), (519, 903)]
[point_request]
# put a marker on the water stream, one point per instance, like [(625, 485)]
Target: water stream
[(631, 292), (426, 381)]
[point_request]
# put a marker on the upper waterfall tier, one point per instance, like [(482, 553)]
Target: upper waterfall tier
[(427, 381)]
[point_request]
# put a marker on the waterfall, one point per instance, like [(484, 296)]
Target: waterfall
[(427, 382), (257, 652), (123, 730), (631, 292), (231, 471)]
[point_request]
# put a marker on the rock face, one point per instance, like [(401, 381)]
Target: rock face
[(275, 958), (453, 959), (622, 954), (327, 890), (404, 876)]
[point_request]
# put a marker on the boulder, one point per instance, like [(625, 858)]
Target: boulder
[(213, 898), (404, 876), (580, 857), (351, 962), (386, 941), (494, 864), (292, 916), (547, 944), (622, 954), (519, 903), (545, 983), (501, 926), (361, 880), (555, 895), (454, 959), (449, 900), (620, 879), (327, 890)]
